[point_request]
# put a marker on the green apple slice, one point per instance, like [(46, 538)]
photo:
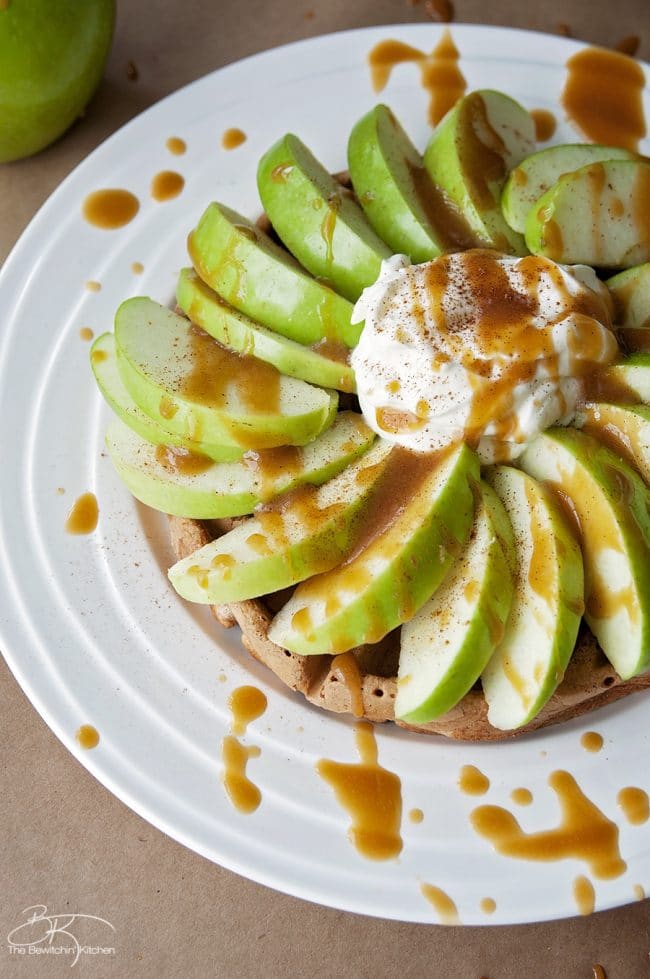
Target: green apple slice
[(183, 379), (541, 170), (261, 279), (418, 522), (548, 602), (397, 194), (301, 534), (469, 156), (628, 381), (594, 216), (631, 294), (236, 332), (189, 485), (103, 360), (625, 429), (611, 504), (446, 645), (317, 219)]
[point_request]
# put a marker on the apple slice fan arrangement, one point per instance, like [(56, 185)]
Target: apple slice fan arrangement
[(402, 426)]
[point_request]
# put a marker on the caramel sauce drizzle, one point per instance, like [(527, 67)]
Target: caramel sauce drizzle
[(445, 907), (440, 74), (602, 97), (87, 737), (137, 268), (176, 146), (584, 833), (232, 138), (269, 465), (346, 666), (416, 816), (488, 905), (521, 796), (598, 972), (371, 795), (166, 185), (545, 124), (542, 570), (584, 895), (85, 333), (639, 892), (83, 517), (246, 704), (176, 459), (110, 209), (634, 804), (93, 286), (472, 781), (592, 741)]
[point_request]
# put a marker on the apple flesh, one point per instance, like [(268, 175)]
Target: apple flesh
[(160, 356), (236, 332), (422, 524), (630, 291), (611, 504), (469, 157), (534, 175), (547, 605), (317, 219), (52, 57), (625, 428), (252, 273), (187, 485), (283, 544), (592, 216), (446, 645)]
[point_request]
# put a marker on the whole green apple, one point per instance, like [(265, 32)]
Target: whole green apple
[(52, 56)]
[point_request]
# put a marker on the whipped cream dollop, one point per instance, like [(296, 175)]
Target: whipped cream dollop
[(478, 346)]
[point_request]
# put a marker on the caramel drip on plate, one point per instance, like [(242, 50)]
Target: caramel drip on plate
[(179, 460), (472, 781), (584, 833), (445, 907), (521, 797), (371, 795), (246, 703), (602, 97), (137, 268), (346, 666), (416, 815), (85, 333), (93, 286), (440, 74), (176, 146), (634, 804), (166, 185), (545, 124), (83, 516), (639, 892), (598, 972), (584, 895), (488, 905), (87, 737), (110, 209), (591, 741), (232, 138)]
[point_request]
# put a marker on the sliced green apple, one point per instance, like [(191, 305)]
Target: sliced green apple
[(103, 360), (631, 294), (547, 605), (185, 484), (624, 428), (237, 332), (534, 175), (595, 216), (301, 534), (417, 523), (187, 382), (469, 156), (259, 278), (397, 194), (317, 219), (611, 504), (628, 381), (446, 645)]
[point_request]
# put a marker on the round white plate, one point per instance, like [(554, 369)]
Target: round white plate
[(91, 628)]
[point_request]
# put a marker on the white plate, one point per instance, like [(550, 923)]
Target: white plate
[(90, 626)]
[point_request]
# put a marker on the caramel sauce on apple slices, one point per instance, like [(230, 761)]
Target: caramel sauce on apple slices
[(602, 97), (176, 459), (246, 704), (87, 737), (584, 833), (270, 464), (111, 208), (635, 805), (371, 795), (440, 900), (440, 74), (166, 185), (84, 515), (545, 124)]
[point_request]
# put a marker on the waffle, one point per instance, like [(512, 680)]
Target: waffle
[(589, 682)]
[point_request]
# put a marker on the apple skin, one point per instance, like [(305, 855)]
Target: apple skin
[(625, 428), (52, 57), (630, 291), (446, 645)]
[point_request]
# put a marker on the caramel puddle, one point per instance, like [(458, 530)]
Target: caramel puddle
[(246, 704)]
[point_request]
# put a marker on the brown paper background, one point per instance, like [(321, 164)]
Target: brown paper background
[(66, 841)]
